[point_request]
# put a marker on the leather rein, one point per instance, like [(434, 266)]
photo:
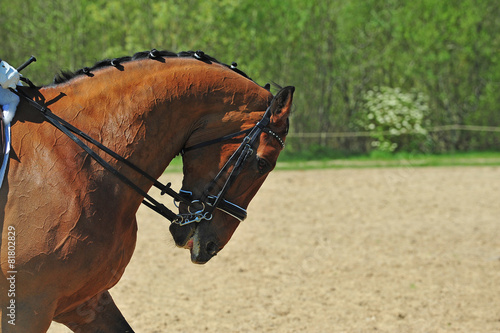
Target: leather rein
[(198, 209)]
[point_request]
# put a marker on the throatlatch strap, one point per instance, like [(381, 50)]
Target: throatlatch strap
[(211, 142)]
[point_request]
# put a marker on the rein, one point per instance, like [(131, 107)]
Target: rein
[(198, 209), (74, 133)]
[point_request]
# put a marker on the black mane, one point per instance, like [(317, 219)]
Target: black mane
[(154, 54)]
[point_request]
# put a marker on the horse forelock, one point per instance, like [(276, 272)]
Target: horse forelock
[(65, 76)]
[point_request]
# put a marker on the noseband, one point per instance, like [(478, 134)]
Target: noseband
[(208, 203), (198, 209)]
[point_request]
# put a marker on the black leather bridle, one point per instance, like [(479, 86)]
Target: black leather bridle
[(198, 209), (208, 203)]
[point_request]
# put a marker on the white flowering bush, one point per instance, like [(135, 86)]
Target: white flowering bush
[(390, 115)]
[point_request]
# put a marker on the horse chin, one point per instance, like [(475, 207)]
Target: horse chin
[(183, 235), (188, 237)]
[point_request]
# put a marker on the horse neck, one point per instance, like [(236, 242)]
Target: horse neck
[(147, 112)]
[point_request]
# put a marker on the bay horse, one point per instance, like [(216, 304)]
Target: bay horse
[(69, 222)]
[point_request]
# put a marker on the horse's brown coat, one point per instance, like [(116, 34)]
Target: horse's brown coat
[(74, 222)]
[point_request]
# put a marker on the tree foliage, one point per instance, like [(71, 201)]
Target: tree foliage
[(333, 51), (390, 114)]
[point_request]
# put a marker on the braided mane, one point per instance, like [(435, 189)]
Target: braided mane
[(154, 54)]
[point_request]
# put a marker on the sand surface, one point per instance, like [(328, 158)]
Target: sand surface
[(347, 250)]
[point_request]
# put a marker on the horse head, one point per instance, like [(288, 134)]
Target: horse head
[(234, 167)]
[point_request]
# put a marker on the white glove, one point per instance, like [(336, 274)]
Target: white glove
[(9, 76)]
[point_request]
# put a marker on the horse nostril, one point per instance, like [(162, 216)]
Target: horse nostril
[(212, 248)]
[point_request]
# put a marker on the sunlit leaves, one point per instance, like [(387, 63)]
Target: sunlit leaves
[(333, 51)]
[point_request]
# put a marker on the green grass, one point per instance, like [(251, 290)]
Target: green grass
[(175, 165), (378, 159), (374, 160)]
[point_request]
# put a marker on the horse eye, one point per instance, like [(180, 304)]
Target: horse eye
[(262, 165)]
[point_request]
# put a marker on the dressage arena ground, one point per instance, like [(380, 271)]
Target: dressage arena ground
[(343, 250)]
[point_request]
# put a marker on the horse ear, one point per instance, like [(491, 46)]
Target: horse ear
[(281, 107)]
